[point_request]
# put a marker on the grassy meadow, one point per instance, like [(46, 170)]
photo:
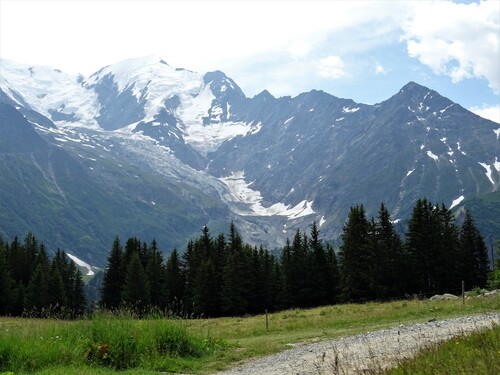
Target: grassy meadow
[(106, 343), (478, 353)]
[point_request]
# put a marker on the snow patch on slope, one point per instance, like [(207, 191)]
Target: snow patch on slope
[(457, 201), (350, 110), (432, 155), (250, 200), (322, 221), (488, 171), (47, 89), (82, 264), (154, 79), (207, 138)]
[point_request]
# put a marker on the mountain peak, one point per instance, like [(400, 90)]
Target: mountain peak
[(264, 95), (413, 87), (413, 92), (220, 83)]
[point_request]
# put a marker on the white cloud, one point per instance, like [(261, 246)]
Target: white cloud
[(458, 40), (286, 47), (331, 67), (489, 112), (379, 69)]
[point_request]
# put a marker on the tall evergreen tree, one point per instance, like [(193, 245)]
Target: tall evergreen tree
[(31, 248), (237, 276), (156, 273), (389, 256), (38, 293), (319, 273), (207, 290), (474, 254), (357, 258), (17, 262), (423, 247), (136, 287), (174, 284), (57, 296), (206, 300), (111, 292), (270, 282), (132, 245), (189, 267), (286, 276), (77, 299), (448, 255), (301, 286), (333, 275), (6, 281)]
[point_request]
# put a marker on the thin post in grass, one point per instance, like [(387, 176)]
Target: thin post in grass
[(463, 292), (267, 322)]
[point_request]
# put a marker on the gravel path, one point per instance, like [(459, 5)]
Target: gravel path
[(364, 353)]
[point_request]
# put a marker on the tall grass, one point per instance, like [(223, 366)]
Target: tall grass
[(116, 341), (478, 353), (109, 342)]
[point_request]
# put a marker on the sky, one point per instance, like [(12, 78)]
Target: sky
[(362, 50)]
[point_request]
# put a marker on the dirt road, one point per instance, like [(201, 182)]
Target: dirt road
[(364, 353)]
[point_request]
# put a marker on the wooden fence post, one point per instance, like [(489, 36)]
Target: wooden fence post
[(463, 292)]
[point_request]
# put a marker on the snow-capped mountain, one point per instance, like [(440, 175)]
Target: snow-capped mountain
[(142, 148)]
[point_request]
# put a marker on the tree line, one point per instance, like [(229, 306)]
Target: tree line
[(224, 276), (435, 257), (33, 285)]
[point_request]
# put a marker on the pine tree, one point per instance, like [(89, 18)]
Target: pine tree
[(269, 286), (474, 254), (206, 300), (333, 275), (174, 284), (189, 268), (422, 244), (156, 272), (136, 287), (286, 276), (219, 255), (57, 296), (319, 270), (357, 258), (17, 263), (113, 281), (207, 288), (448, 256), (300, 271), (236, 286), (390, 262), (132, 246), (62, 263), (31, 247), (6, 281), (38, 293), (77, 300)]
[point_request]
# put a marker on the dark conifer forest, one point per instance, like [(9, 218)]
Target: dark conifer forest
[(221, 275), (33, 285)]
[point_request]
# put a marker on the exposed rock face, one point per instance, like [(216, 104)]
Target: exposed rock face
[(148, 150)]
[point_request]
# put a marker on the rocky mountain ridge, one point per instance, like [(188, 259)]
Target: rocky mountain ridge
[(154, 151)]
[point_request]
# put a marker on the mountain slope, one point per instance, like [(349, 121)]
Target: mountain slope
[(142, 148), (337, 153), (78, 198)]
